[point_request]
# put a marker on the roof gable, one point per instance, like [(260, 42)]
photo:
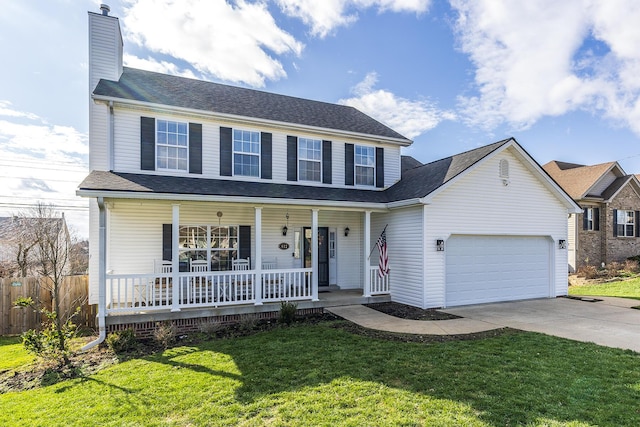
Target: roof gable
[(581, 181), (162, 89)]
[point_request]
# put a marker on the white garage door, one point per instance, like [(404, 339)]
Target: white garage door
[(496, 268)]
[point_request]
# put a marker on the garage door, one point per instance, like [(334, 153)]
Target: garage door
[(496, 268)]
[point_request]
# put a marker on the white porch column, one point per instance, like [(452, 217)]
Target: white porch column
[(258, 261), (314, 254), (175, 258), (366, 252)]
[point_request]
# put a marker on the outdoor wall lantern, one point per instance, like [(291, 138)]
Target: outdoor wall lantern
[(440, 245), (346, 232), (562, 244), (286, 227)]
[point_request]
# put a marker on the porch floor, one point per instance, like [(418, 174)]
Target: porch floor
[(332, 297)]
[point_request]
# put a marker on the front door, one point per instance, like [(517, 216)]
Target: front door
[(323, 253)]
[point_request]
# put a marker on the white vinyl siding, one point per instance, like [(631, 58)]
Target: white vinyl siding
[(94, 261), (524, 207), (405, 250), (603, 183), (571, 242)]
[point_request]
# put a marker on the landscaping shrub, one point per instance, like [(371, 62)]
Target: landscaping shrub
[(632, 265), (164, 334), (287, 312), (122, 341), (588, 271)]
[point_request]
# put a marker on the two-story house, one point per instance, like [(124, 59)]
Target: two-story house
[(608, 227), (246, 198)]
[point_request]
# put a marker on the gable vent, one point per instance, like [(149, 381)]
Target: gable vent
[(504, 168)]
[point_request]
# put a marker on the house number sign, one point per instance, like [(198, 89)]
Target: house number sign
[(284, 246)]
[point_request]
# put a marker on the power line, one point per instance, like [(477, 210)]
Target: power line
[(43, 198), (31, 177), (45, 168), (45, 161), (31, 205)]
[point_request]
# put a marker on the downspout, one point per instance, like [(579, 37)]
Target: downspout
[(110, 137), (102, 300)]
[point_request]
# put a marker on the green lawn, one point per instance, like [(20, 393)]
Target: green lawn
[(320, 375), (625, 289), (12, 353)]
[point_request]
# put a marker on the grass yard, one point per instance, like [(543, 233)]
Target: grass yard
[(13, 354), (322, 375), (625, 289)]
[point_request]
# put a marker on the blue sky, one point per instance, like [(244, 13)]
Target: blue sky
[(561, 77)]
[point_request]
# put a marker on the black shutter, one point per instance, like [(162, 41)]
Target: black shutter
[(226, 151), (147, 143), (292, 158), (379, 167), (167, 237), (265, 155), (615, 223), (637, 223), (326, 162), (195, 148), (585, 218), (596, 219), (244, 241), (348, 164)]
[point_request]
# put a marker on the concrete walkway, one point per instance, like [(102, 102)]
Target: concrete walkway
[(373, 319), (610, 322)]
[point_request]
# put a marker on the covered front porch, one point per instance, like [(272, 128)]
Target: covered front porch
[(233, 267)]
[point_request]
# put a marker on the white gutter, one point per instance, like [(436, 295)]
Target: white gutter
[(110, 138), (102, 298), (244, 119), (227, 199)]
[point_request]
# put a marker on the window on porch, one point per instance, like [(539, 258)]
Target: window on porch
[(218, 245)]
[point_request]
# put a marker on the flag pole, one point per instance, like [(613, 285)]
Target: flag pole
[(375, 244)]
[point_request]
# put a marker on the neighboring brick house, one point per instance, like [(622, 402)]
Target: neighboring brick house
[(608, 229)]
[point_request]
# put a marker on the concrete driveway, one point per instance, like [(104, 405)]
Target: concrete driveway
[(610, 322)]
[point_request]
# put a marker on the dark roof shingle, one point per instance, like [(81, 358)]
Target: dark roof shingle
[(164, 89)]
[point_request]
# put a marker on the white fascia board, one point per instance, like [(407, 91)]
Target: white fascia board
[(342, 205), (252, 120), (408, 202)]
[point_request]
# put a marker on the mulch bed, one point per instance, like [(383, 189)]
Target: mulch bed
[(404, 311)]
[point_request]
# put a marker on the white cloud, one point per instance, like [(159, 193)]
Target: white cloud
[(7, 110), (530, 60), (232, 42), (325, 16), (409, 117), (151, 64)]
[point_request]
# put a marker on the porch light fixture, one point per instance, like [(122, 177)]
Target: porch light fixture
[(286, 227), (562, 244), (440, 245), (346, 232)]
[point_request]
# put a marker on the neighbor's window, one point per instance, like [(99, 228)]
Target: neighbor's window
[(365, 161), (246, 153), (309, 159), (626, 223), (590, 219), (217, 245), (171, 145)]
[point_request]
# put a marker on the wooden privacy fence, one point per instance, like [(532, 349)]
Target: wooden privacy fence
[(73, 293)]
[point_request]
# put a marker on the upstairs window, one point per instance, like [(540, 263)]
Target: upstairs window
[(246, 153), (365, 162), (309, 159), (172, 145)]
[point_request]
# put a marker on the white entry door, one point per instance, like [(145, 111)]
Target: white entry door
[(483, 269)]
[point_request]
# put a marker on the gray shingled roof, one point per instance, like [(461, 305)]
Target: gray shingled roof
[(415, 183), (408, 162), (423, 180), (156, 88)]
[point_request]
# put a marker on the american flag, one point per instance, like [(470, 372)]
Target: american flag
[(383, 263)]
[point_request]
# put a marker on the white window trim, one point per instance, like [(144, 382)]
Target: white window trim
[(234, 152), (155, 135), (310, 160), (590, 222), (355, 165), (209, 249), (625, 224)]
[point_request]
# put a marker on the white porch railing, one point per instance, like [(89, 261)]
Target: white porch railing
[(147, 292), (378, 285)]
